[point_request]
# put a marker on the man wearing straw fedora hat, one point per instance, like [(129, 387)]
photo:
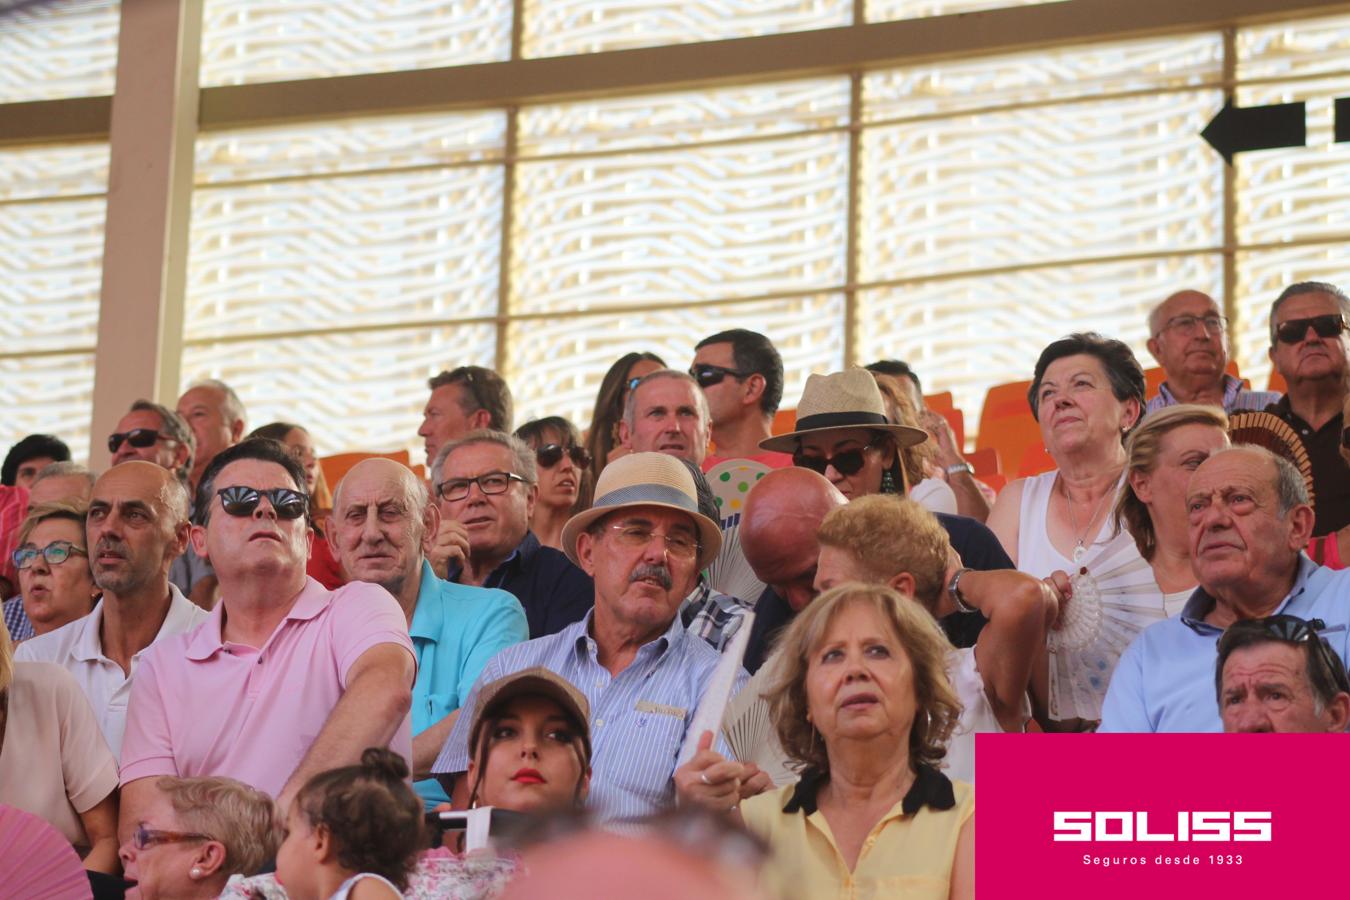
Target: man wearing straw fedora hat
[(643, 542)]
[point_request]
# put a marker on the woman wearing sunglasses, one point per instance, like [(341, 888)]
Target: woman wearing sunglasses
[(55, 580), (564, 475), (602, 439), (843, 433)]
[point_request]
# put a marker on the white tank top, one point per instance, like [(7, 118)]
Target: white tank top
[(1035, 554)]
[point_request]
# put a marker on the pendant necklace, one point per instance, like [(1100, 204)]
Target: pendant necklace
[(1079, 551)]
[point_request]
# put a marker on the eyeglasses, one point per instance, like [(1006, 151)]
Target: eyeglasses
[(241, 500), (708, 375), (144, 837), (1293, 630), (54, 553), (850, 462), (550, 455), (1292, 332), (1214, 324), (489, 483), (137, 437), (680, 546)]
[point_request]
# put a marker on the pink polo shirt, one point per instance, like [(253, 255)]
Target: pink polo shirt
[(203, 707)]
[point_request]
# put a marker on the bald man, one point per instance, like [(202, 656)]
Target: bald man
[(381, 513), (778, 537), (137, 526)]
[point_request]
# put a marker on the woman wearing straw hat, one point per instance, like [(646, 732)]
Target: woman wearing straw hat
[(843, 433)]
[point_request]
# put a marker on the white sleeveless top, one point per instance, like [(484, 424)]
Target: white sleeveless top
[(1035, 554), (345, 888)]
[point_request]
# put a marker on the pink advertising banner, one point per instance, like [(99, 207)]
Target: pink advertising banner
[(1165, 815)]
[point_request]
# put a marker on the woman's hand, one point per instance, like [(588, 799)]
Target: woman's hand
[(1060, 585), (711, 780)]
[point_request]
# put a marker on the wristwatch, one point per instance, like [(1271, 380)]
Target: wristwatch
[(954, 589), (962, 466)]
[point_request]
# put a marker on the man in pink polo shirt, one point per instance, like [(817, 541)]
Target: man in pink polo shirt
[(285, 679)]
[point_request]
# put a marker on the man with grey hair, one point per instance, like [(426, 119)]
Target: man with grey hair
[(137, 526), (215, 414), (1308, 345), (61, 481), (463, 400), (1249, 522), (381, 514), (1188, 336), (667, 413), (486, 486), (155, 433)]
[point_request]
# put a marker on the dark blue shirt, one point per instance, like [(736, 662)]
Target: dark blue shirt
[(553, 592)]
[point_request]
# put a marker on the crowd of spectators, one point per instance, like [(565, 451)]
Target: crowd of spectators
[(569, 657)]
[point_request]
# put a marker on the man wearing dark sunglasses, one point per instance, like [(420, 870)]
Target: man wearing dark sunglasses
[(1308, 345), (1249, 520), (1279, 674), (741, 375), (285, 678)]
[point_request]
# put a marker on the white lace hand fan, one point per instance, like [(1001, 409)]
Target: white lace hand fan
[(1115, 600), (36, 862)]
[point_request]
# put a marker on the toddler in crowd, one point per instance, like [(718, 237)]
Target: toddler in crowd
[(352, 832)]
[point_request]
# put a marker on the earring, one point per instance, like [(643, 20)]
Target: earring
[(887, 482), (195, 873)]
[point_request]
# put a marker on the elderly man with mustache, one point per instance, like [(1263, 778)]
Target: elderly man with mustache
[(643, 674), (137, 527)]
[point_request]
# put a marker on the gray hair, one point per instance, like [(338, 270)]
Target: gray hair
[(1290, 488), (234, 407), (1308, 287), (1155, 322), (62, 470), (523, 457), (630, 404), (177, 499), (172, 424)]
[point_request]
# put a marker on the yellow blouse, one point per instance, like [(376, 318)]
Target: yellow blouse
[(905, 855)]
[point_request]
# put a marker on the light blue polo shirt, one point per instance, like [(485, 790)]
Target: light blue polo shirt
[(455, 630), (1165, 678)]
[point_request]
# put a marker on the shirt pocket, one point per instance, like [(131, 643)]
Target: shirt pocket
[(648, 761), (434, 707)]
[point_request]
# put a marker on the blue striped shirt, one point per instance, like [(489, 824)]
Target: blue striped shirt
[(638, 717), (1235, 398)]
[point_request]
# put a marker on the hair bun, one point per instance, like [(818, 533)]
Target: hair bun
[(384, 762)]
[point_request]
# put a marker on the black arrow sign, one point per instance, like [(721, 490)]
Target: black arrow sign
[(1236, 130)]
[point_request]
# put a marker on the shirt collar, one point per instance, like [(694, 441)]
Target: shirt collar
[(89, 646), (1231, 388), (1201, 603), (207, 640), (519, 558), (429, 615), (930, 788), (585, 644)]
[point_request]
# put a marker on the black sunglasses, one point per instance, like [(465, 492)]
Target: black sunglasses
[(1293, 630), (707, 375), (241, 500), (850, 462), (1292, 332), (137, 437), (550, 455)]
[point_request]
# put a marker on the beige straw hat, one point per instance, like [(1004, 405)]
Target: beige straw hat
[(849, 399), (645, 479)]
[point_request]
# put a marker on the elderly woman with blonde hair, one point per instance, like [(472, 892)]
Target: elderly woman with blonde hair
[(195, 834), (862, 705)]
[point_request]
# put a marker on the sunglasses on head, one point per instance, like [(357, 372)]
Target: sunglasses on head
[(849, 462), (241, 500), (137, 437), (1292, 332), (550, 455), (1293, 630), (708, 375)]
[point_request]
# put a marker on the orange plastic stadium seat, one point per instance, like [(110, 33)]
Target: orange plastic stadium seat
[(1277, 383), (783, 421), (939, 402), (1004, 400), (1013, 437), (957, 420)]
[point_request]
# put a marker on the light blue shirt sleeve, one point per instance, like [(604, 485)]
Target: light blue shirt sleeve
[(454, 755), (1124, 709)]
